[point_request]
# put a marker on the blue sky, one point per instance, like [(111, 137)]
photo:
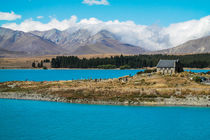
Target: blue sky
[(145, 12)]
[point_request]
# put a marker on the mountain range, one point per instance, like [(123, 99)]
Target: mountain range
[(201, 45), (68, 42), (55, 42)]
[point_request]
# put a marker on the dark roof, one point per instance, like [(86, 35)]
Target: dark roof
[(167, 64)]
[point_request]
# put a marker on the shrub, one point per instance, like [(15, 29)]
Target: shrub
[(149, 70), (146, 71), (109, 66), (125, 67), (197, 79), (142, 80), (140, 72), (45, 68)]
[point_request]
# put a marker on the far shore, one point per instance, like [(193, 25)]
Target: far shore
[(95, 68), (26, 62)]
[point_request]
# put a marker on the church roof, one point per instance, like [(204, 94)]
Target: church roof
[(167, 64)]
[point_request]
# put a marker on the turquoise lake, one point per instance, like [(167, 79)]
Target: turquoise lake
[(56, 75), (39, 120)]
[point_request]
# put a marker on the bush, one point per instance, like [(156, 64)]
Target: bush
[(109, 66), (142, 81), (197, 79), (146, 71), (140, 72), (125, 67), (45, 68), (149, 70)]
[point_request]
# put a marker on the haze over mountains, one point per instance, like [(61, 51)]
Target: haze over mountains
[(68, 42)]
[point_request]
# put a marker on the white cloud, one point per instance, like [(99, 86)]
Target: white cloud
[(96, 2), (9, 16), (184, 31), (150, 37), (39, 17), (31, 25)]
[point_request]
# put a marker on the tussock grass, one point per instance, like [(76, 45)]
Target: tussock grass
[(138, 88)]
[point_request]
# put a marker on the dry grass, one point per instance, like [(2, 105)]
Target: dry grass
[(22, 62), (26, 62), (138, 88)]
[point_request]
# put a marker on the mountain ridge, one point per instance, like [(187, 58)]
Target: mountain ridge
[(56, 42), (200, 45), (80, 42)]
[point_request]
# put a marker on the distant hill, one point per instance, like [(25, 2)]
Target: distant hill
[(6, 53), (67, 42), (27, 44), (83, 42), (201, 45), (79, 42), (105, 42)]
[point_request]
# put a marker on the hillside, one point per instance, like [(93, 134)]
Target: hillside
[(67, 42), (26, 44), (105, 42), (83, 42), (201, 45)]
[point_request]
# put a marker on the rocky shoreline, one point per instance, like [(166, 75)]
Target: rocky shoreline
[(190, 100)]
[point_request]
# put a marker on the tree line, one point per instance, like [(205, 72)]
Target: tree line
[(136, 61), (36, 64)]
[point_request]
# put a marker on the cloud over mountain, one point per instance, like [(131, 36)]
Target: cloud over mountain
[(31, 25), (9, 16), (151, 37), (96, 2), (39, 17)]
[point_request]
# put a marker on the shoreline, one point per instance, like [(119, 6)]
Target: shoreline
[(170, 102), (13, 68), (138, 90)]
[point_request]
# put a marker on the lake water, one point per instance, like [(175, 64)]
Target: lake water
[(39, 120), (197, 71), (56, 75)]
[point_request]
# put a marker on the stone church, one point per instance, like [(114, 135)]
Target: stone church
[(169, 66)]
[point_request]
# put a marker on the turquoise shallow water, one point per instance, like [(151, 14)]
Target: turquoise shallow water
[(37, 120), (56, 75), (197, 71)]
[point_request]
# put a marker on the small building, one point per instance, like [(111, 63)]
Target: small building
[(169, 66)]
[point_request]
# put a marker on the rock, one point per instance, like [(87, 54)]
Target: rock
[(12, 86)]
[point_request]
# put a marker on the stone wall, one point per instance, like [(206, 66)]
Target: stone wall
[(166, 70)]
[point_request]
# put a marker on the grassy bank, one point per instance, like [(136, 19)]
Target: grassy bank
[(143, 88)]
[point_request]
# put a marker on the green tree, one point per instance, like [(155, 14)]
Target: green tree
[(41, 64), (125, 67), (34, 65)]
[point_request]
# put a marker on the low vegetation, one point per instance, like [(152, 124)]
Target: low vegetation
[(106, 66), (125, 67), (141, 87)]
